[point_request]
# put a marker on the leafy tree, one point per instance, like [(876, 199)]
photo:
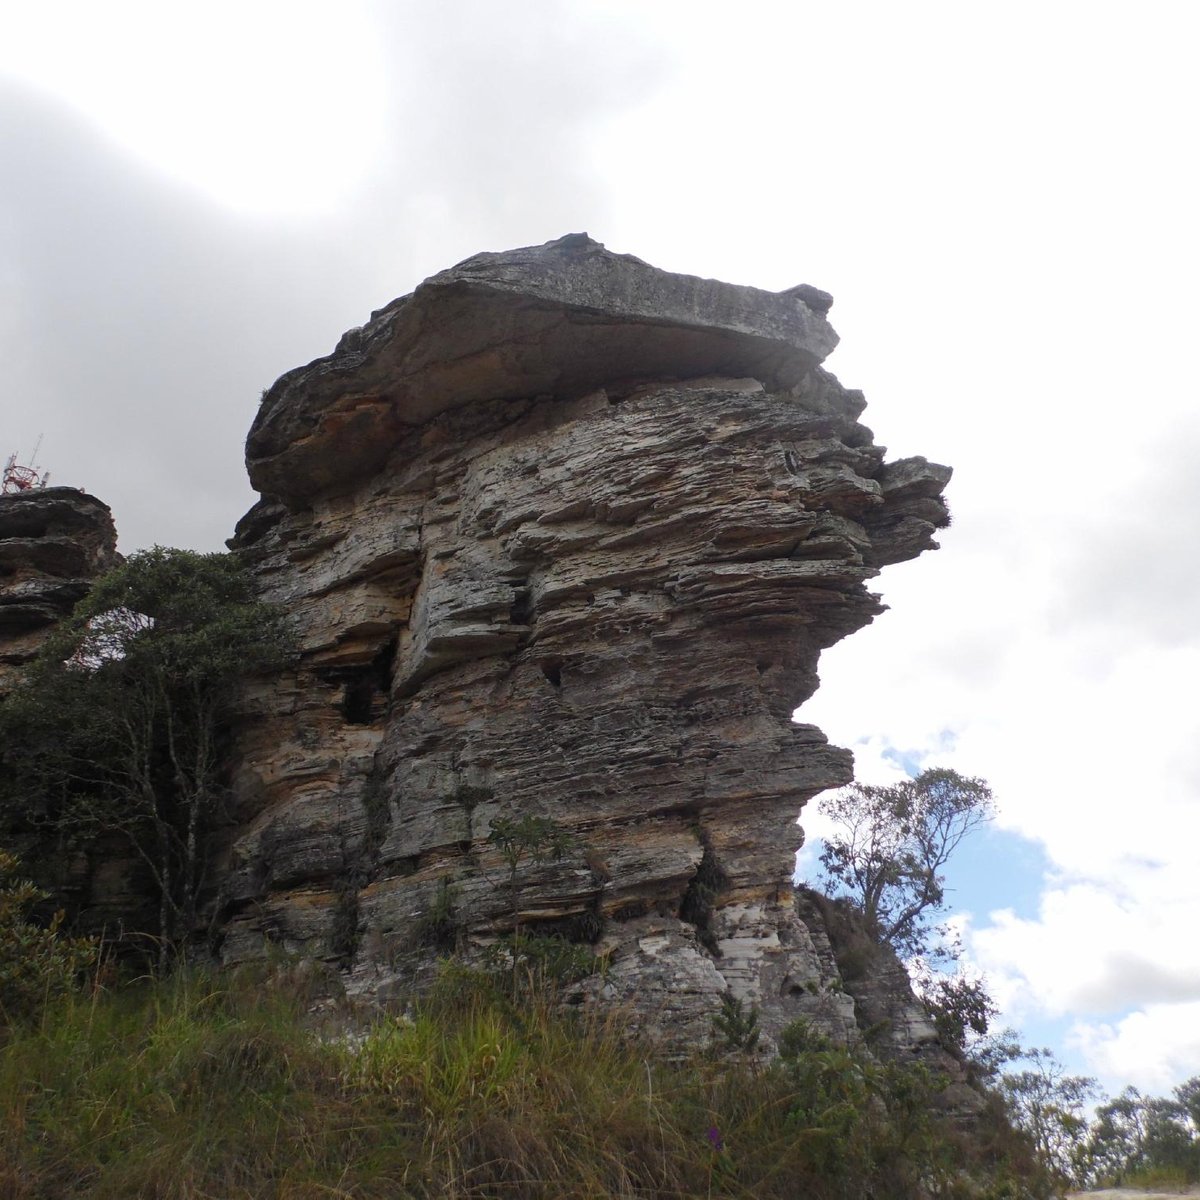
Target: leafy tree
[(1171, 1146), (1188, 1095), (892, 844), (989, 1054), (1048, 1104), (122, 723), (1136, 1135), (959, 1004)]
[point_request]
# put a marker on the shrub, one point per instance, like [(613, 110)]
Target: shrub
[(36, 962), (735, 1028)]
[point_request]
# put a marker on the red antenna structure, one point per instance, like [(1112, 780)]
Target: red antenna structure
[(19, 479)]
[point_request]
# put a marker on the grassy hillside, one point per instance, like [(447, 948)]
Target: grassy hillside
[(201, 1087)]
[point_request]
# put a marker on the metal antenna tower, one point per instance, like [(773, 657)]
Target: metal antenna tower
[(18, 478)]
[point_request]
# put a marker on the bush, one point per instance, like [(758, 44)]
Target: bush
[(36, 962)]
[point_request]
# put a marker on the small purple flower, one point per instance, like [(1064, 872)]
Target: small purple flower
[(715, 1139)]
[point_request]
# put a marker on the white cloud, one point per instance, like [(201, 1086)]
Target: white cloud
[(1095, 948), (268, 107), (1153, 1049)]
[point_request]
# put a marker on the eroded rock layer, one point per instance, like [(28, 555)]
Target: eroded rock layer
[(53, 543), (563, 536)]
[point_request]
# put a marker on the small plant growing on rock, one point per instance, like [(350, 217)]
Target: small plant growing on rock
[(531, 961), (735, 1028), (698, 900), (440, 927), (535, 961), (527, 839)]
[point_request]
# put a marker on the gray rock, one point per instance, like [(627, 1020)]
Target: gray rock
[(561, 319), (53, 543), (562, 535)]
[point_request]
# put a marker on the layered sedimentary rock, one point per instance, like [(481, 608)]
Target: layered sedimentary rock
[(53, 543), (563, 536)]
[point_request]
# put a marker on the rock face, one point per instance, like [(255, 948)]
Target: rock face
[(897, 1025), (53, 542), (563, 536)]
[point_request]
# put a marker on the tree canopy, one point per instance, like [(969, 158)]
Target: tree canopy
[(122, 722), (892, 844)]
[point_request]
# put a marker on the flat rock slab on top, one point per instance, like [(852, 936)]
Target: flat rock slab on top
[(551, 320)]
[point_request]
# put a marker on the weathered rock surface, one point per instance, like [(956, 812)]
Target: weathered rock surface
[(563, 535), (53, 542)]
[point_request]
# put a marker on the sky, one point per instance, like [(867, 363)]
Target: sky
[(1003, 200)]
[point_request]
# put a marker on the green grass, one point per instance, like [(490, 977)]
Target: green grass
[(221, 1089)]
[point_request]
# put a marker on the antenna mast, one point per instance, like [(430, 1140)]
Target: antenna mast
[(17, 478)]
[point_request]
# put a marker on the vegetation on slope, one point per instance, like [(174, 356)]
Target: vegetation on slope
[(202, 1087)]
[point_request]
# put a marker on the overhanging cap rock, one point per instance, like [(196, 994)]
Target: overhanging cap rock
[(557, 319)]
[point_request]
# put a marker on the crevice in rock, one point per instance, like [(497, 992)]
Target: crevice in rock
[(378, 809), (356, 700), (582, 929), (470, 796), (521, 608), (366, 689), (702, 891), (343, 930), (359, 866)]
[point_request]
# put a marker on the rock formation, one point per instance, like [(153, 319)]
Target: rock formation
[(53, 542), (563, 536)]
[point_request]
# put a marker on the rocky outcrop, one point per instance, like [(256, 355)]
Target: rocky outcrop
[(896, 1024), (563, 536), (53, 543)]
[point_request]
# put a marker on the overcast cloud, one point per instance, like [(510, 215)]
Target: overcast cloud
[(1001, 198)]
